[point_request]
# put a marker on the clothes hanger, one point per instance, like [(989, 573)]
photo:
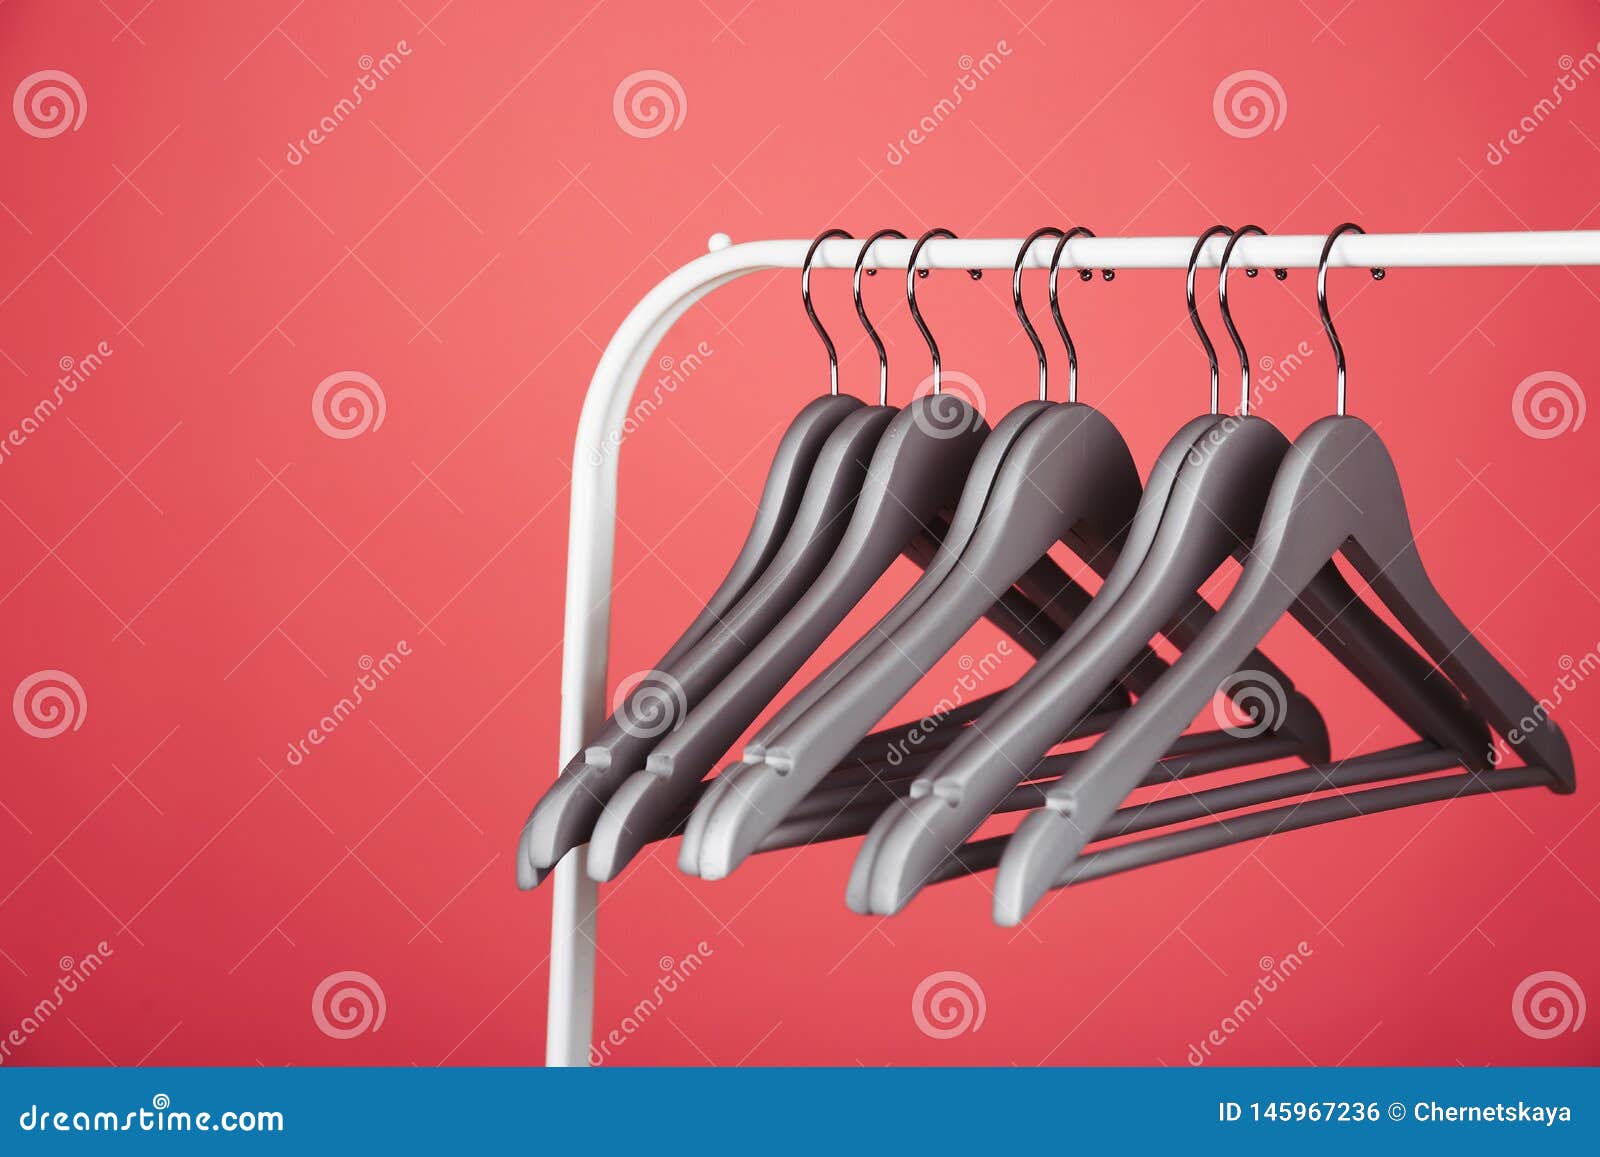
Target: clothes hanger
[(916, 472), (1338, 492), (974, 497), (565, 815), (1215, 488), (1067, 477), (845, 805)]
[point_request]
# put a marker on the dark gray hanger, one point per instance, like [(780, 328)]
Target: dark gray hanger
[(975, 496), (564, 817), (1216, 490), (1140, 535), (916, 472), (1337, 492), (1068, 477)]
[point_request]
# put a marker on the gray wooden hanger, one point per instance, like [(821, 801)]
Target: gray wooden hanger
[(1215, 486), (750, 807), (916, 472), (975, 496), (1337, 492), (965, 519), (827, 467), (565, 815), (1068, 476)]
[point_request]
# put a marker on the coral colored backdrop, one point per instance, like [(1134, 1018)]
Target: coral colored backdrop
[(211, 549)]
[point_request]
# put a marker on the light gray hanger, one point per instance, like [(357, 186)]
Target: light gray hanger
[(974, 498), (916, 472), (1216, 488), (1068, 477), (1337, 492)]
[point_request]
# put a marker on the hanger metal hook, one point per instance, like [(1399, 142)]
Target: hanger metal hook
[(912, 273), (1322, 303), (861, 312), (1022, 314), (805, 297), (1055, 305), (1194, 312), (1227, 316)]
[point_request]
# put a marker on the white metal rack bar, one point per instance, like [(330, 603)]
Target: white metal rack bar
[(592, 533)]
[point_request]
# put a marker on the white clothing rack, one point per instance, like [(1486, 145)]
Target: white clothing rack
[(591, 536)]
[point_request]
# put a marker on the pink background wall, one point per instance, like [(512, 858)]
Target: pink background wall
[(183, 539)]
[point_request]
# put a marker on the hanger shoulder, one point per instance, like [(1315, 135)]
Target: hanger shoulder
[(974, 496), (895, 834), (564, 817), (1338, 484), (1069, 466), (1383, 550), (916, 472), (775, 510), (1214, 504)]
